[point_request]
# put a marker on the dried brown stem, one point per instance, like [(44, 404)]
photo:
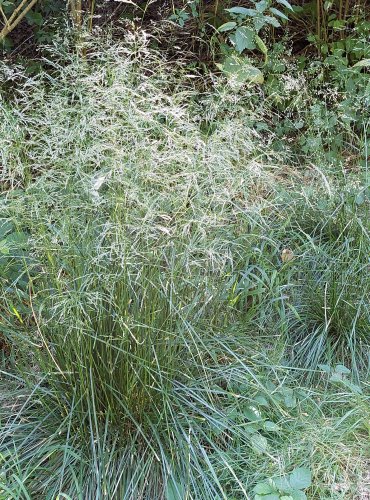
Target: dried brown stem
[(16, 17)]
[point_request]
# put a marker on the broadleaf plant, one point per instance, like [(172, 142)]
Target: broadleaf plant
[(285, 487), (248, 23), (243, 34)]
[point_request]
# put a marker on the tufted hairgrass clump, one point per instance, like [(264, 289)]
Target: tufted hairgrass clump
[(159, 343), (329, 316)]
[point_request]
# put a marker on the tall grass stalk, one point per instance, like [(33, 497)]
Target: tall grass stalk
[(158, 333)]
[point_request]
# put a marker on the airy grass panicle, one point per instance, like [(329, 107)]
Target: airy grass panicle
[(159, 337)]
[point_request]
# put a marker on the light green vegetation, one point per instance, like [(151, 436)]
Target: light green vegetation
[(161, 343)]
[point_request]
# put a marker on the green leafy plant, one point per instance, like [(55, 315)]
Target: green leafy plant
[(336, 315), (286, 487), (14, 279), (190, 11), (243, 33), (340, 375), (243, 30), (167, 340), (39, 15)]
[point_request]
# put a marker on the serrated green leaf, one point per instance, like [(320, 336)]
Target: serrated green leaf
[(244, 39), (272, 20), (298, 495), (241, 70), (4, 247), (259, 443), (17, 240), (242, 11), (300, 478), (259, 22), (263, 488), (282, 484), (34, 18), (5, 228), (278, 13), (261, 6)]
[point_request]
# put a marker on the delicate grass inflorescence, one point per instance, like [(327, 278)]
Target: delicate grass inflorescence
[(158, 330)]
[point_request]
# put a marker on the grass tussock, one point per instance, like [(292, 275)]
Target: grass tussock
[(157, 333)]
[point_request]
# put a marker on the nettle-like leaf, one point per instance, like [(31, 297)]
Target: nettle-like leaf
[(259, 443), (264, 488), (287, 396), (242, 11), (295, 495), (244, 39), (278, 13), (259, 22), (282, 484), (6, 227), (13, 242), (227, 26), (34, 18), (262, 5), (294, 483), (240, 71), (4, 247), (272, 20), (17, 240), (285, 3)]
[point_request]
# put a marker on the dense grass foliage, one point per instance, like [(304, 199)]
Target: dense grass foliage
[(185, 298)]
